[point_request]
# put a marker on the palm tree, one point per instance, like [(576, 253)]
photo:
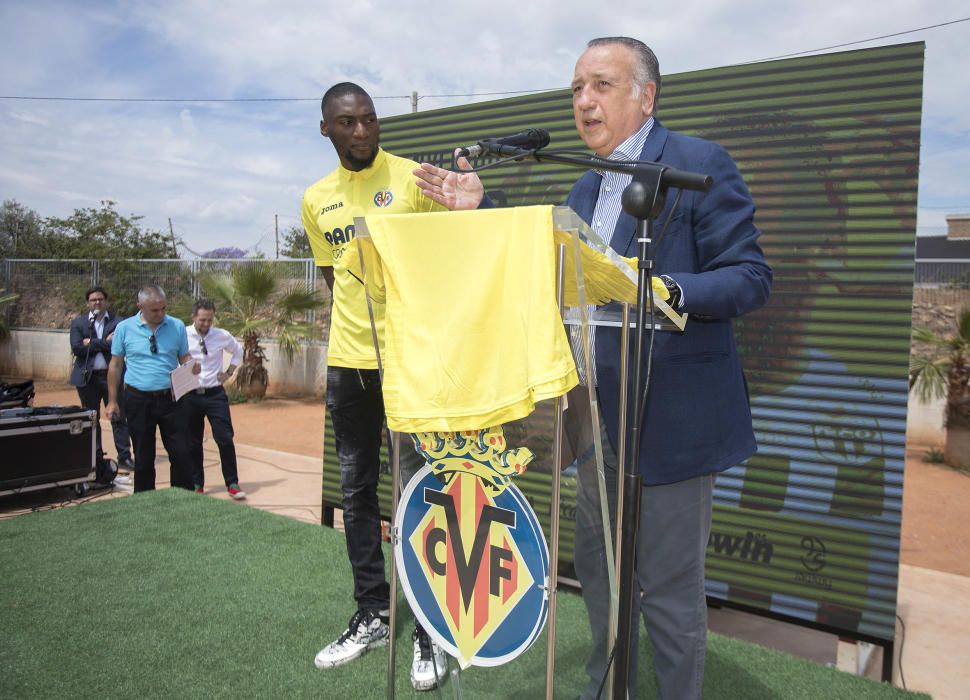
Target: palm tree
[(252, 305), (944, 372)]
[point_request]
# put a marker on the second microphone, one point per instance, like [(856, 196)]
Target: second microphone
[(528, 140)]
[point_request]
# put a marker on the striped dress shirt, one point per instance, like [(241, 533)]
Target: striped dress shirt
[(605, 215)]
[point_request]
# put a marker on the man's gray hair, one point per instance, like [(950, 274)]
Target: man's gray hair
[(646, 67), (151, 291)]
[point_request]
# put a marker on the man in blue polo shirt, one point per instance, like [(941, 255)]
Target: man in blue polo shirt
[(153, 344)]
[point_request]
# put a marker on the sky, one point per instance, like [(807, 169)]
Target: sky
[(222, 171)]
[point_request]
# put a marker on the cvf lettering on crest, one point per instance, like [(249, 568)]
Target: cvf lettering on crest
[(339, 236), (468, 564)]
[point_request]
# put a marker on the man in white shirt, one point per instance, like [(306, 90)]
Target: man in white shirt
[(207, 345)]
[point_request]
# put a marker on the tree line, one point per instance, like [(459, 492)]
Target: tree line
[(102, 233), (91, 232)]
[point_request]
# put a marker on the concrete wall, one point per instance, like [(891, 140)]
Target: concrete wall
[(924, 422), (46, 355), (40, 354)]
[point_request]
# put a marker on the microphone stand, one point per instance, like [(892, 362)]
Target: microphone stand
[(642, 199)]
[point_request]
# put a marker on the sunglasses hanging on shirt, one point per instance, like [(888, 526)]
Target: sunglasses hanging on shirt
[(152, 343)]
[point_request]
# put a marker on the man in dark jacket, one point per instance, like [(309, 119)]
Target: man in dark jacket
[(91, 335), (698, 419)]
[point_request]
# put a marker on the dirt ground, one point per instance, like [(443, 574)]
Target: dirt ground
[(936, 499), (288, 425), (936, 515)]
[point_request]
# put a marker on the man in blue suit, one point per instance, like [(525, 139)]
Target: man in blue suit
[(698, 418), (91, 335)]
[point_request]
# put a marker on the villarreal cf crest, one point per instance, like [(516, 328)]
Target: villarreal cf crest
[(472, 558)]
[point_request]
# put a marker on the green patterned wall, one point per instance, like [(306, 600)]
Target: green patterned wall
[(809, 527)]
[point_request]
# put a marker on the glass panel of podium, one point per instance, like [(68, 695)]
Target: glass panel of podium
[(569, 486)]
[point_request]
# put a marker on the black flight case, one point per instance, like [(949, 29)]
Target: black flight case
[(46, 447)]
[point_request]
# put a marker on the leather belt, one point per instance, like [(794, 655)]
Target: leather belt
[(209, 390), (139, 392)]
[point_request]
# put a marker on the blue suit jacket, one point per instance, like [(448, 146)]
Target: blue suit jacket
[(81, 328), (698, 419)]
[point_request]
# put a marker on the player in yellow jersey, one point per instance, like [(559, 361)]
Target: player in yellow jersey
[(368, 181)]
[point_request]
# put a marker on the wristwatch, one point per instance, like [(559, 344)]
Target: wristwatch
[(676, 295)]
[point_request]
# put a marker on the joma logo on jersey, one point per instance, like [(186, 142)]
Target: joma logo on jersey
[(466, 549), (383, 198), (331, 207)]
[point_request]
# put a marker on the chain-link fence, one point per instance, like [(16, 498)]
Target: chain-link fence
[(942, 273), (51, 292), (941, 291), (937, 307)]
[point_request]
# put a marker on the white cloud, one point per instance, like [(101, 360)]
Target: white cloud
[(28, 118), (234, 210), (221, 171), (188, 124)]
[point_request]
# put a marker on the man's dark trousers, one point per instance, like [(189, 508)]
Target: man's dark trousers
[(93, 395), (214, 405), (145, 411), (356, 407), (355, 404)]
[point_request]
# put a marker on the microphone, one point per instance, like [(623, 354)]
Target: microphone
[(528, 140)]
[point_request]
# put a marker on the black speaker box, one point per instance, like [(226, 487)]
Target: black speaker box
[(48, 445)]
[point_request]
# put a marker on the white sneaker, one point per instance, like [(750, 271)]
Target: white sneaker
[(367, 630), (123, 480), (430, 663)]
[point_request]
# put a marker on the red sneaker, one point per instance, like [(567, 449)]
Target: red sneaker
[(236, 492), (199, 489)]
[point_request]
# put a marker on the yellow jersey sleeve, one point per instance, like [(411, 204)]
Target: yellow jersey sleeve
[(322, 250)]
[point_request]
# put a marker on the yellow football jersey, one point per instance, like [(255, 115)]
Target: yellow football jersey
[(329, 208), (473, 335)]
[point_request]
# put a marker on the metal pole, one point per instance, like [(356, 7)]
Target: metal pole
[(175, 250), (553, 581), (195, 269), (627, 621), (394, 446), (621, 435), (597, 446), (276, 225), (310, 283), (392, 621), (414, 101)]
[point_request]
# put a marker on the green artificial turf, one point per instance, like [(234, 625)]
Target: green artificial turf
[(170, 594)]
